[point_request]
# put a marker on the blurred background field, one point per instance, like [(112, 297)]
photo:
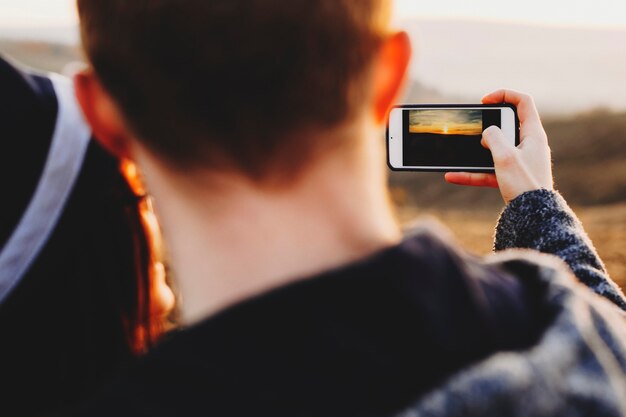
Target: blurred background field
[(577, 75), (605, 224)]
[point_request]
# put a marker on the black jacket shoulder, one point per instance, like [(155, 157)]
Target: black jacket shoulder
[(28, 110)]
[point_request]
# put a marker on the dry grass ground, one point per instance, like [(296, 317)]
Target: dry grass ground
[(606, 225)]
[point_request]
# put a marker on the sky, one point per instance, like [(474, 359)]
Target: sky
[(586, 13), (594, 13)]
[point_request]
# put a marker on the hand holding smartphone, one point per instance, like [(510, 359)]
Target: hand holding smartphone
[(446, 137), (520, 165)]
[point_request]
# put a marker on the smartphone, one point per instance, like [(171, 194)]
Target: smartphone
[(446, 137)]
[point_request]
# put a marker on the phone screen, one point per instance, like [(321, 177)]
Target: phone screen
[(447, 137)]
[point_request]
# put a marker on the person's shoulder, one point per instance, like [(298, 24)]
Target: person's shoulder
[(28, 100), (576, 364), (23, 88), (440, 247), (447, 259), (8, 70), (505, 293)]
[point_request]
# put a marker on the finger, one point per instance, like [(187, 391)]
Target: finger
[(526, 109), (501, 149), (472, 179), (509, 170), (507, 96)]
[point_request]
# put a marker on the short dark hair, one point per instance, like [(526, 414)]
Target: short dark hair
[(230, 83)]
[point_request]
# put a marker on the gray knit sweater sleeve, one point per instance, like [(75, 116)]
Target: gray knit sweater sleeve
[(542, 220)]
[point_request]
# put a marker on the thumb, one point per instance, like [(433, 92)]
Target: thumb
[(501, 149)]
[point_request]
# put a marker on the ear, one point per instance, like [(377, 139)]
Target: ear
[(390, 71), (102, 114)]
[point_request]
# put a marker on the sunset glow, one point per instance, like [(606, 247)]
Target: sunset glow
[(446, 122)]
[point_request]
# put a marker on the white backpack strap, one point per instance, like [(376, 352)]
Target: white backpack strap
[(63, 165)]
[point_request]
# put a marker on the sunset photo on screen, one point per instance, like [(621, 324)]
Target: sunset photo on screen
[(446, 122), (447, 136)]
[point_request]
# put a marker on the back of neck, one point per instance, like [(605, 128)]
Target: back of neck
[(245, 240)]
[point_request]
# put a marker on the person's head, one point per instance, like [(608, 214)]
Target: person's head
[(257, 88), (84, 303)]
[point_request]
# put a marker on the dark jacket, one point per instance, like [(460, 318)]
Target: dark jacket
[(419, 329), (63, 327)]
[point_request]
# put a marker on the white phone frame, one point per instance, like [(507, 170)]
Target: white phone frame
[(395, 133)]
